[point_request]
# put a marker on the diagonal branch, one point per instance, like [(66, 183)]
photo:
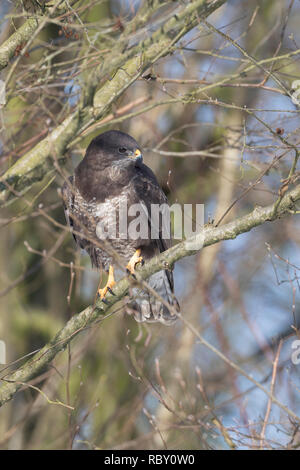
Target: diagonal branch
[(26, 33), (21, 36), (208, 236), (126, 68)]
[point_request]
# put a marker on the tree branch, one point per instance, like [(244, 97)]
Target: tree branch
[(127, 67), (208, 236), (25, 33), (21, 36)]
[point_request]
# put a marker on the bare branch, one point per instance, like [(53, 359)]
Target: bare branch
[(209, 236)]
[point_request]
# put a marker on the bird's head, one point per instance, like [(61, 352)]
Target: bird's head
[(116, 146)]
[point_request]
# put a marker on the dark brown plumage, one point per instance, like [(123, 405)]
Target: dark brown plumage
[(111, 173)]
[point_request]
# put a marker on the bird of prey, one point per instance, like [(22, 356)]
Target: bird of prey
[(111, 172)]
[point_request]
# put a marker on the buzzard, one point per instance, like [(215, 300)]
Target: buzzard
[(111, 174)]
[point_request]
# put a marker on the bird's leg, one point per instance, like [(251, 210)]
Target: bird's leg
[(109, 284), (134, 260)]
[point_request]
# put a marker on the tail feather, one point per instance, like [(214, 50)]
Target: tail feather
[(147, 308)]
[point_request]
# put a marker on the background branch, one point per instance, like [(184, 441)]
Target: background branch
[(37, 163), (209, 236)]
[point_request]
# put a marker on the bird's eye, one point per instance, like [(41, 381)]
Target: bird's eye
[(122, 149)]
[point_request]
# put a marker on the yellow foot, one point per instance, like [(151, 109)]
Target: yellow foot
[(134, 260), (109, 285)]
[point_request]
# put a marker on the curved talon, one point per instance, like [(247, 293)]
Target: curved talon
[(108, 287), (131, 274), (110, 291), (134, 260)]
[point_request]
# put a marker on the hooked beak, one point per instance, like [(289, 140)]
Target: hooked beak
[(136, 155)]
